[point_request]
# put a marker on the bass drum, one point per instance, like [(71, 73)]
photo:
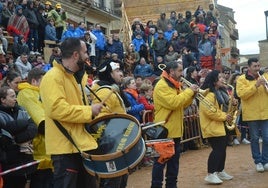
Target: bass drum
[(120, 145)]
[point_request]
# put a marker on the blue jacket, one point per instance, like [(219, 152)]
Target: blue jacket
[(137, 43), (50, 33), (70, 32), (143, 70), (205, 48), (168, 34), (118, 49), (101, 41), (135, 108), (80, 32)]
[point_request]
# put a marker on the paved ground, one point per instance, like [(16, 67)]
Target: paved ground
[(193, 170)]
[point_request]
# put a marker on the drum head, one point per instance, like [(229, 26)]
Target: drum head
[(120, 145), (114, 133)]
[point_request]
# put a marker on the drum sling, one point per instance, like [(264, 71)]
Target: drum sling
[(66, 134)]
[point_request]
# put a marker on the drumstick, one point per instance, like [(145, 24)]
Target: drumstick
[(95, 95), (152, 125), (107, 97)]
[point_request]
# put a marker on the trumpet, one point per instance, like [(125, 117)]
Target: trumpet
[(201, 91), (266, 82), (200, 96)]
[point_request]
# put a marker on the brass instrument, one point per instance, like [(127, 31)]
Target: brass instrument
[(233, 111), (266, 82), (200, 96)]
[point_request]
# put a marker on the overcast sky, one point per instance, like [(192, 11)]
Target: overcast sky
[(250, 18)]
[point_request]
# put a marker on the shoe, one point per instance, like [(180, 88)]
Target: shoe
[(265, 167), (259, 167), (236, 142), (147, 163), (224, 176), (245, 141), (230, 143), (213, 179)]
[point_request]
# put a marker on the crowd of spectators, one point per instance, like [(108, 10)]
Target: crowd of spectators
[(189, 39)]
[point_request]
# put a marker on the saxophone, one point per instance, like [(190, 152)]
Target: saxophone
[(233, 111)]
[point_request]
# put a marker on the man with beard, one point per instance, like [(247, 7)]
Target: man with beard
[(169, 102), (62, 91), (111, 77)]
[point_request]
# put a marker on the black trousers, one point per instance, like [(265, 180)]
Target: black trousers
[(69, 172), (216, 159), (42, 178)]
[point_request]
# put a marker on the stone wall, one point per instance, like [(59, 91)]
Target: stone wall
[(150, 9), (263, 53)]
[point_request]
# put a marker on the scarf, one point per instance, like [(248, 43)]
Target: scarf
[(133, 92), (222, 98), (176, 84)]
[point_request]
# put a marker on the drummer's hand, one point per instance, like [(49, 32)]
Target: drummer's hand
[(96, 108)]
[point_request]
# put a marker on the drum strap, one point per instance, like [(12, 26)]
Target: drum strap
[(168, 116), (67, 135), (117, 94)]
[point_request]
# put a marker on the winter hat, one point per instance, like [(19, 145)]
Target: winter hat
[(41, 7), (18, 8), (106, 68)]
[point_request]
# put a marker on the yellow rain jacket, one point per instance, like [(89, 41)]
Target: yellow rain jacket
[(254, 100), (63, 97), (171, 100), (29, 98), (212, 123), (114, 103)]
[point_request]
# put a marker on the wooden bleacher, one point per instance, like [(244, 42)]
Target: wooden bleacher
[(49, 45), (10, 41)]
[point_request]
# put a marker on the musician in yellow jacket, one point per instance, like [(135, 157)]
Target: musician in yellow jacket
[(63, 94), (212, 119), (29, 98), (170, 101), (252, 89), (111, 77)]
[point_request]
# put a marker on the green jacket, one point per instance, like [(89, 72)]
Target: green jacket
[(63, 101), (59, 18)]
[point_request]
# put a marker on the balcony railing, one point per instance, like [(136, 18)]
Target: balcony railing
[(234, 34), (100, 6), (234, 52)]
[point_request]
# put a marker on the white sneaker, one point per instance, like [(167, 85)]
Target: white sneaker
[(224, 176), (265, 167), (236, 142), (259, 167), (213, 179), (245, 141)]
